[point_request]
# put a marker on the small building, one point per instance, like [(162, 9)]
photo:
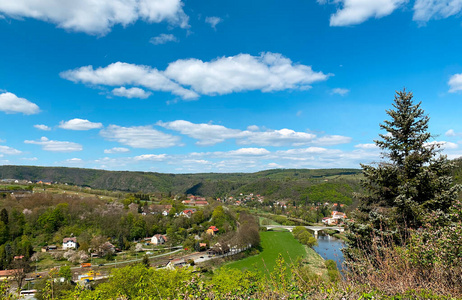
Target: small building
[(49, 248), (158, 239), (69, 243), (212, 230)]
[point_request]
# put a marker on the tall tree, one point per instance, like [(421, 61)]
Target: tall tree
[(412, 182)]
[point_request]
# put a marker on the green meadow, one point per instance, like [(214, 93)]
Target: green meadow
[(272, 243)]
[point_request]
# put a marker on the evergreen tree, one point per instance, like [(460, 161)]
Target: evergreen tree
[(412, 182)]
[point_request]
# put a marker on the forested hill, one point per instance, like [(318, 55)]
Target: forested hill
[(294, 183)]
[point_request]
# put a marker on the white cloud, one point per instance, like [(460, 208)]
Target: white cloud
[(12, 104), (455, 83), (116, 150), (29, 158), (9, 151), (451, 132), (97, 17), (139, 137), (248, 152), (267, 72), (163, 39), (425, 10), (355, 12), (370, 146), (74, 160), (188, 78), (131, 92), (340, 91), (56, 146), (151, 157), (278, 138), (79, 124), (213, 21), (42, 127), (210, 134), (207, 134), (329, 140), (119, 74), (274, 165), (442, 144)]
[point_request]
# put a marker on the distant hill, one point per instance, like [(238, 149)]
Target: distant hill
[(304, 184)]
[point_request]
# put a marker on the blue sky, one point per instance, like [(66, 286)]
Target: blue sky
[(221, 86)]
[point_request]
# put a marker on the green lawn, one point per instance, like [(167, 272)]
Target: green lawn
[(272, 243), (266, 221)]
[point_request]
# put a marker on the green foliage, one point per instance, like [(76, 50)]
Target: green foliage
[(66, 272), (304, 236), (414, 182), (237, 283), (138, 282), (271, 183)]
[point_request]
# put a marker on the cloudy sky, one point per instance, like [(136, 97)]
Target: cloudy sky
[(184, 86)]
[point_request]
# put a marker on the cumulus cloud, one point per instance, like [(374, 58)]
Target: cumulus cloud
[(451, 132), (442, 144), (455, 83), (340, 91), (354, 12), (139, 137), (244, 72), (213, 21), (278, 138), (12, 104), (29, 158), (97, 17), (56, 146), (188, 78), (207, 134), (249, 151), (210, 134), (119, 74), (116, 150), (131, 92), (79, 124), (42, 127), (151, 157), (425, 10), (9, 151), (163, 39), (329, 140)]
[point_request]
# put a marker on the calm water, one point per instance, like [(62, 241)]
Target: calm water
[(330, 248)]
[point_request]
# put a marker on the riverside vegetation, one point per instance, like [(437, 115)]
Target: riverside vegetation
[(405, 241)]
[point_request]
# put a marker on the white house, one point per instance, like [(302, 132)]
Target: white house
[(158, 239), (69, 243)]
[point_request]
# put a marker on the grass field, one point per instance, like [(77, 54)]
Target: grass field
[(272, 244)]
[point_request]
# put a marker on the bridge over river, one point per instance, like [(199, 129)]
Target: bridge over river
[(315, 229)]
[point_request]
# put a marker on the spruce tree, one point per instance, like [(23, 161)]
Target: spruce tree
[(412, 182)]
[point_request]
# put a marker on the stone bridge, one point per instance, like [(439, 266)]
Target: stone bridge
[(315, 229)]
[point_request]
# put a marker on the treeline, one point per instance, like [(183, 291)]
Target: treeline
[(338, 184)]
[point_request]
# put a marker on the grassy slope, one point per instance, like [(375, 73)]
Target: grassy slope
[(272, 243)]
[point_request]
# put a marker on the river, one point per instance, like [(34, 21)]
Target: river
[(330, 247)]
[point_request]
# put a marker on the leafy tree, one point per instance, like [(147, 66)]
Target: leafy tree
[(413, 182), (4, 216), (66, 272)]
